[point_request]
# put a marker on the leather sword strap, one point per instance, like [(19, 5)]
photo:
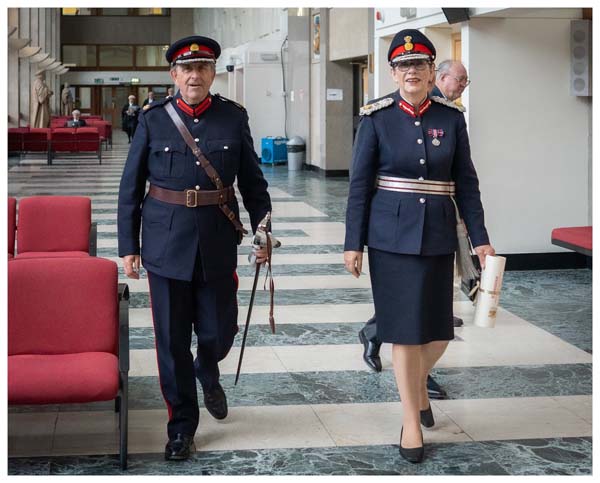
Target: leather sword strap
[(192, 198), (205, 163)]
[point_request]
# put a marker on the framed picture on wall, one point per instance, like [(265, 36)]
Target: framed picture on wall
[(316, 36)]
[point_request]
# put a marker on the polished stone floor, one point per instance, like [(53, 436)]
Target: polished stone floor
[(520, 395)]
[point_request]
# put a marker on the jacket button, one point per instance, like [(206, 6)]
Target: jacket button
[(198, 163), (167, 148), (197, 140), (197, 187), (421, 178), (196, 120), (419, 141), (421, 200), (417, 123), (225, 147), (422, 161)]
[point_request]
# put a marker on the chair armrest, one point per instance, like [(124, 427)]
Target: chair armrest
[(93, 246), (123, 291)]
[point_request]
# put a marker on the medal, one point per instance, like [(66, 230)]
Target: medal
[(435, 134)]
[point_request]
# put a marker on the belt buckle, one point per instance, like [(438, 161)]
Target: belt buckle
[(188, 197)]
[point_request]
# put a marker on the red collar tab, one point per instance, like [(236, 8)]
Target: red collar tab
[(410, 109), (194, 111)]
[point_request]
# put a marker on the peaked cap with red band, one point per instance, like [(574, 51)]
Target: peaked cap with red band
[(193, 49), (410, 44)]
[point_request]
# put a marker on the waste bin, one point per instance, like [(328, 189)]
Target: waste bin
[(296, 149)]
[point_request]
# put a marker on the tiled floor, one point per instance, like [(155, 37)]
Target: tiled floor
[(520, 395)]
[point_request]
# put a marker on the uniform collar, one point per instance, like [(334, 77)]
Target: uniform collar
[(194, 111), (412, 110)]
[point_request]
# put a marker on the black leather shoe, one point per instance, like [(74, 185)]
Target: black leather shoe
[(434, 391), (216, 402), (180, 448), (427, 417), (458, 322), (414, 455), (371, 352)]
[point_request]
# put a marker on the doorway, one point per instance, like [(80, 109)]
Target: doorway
[(113, 98)]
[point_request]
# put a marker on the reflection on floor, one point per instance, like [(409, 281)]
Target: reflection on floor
[(520, 395)]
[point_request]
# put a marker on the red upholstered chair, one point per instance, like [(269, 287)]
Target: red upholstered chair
[(15, 139), (68, 335), (37, 140), (55, 226), (577, 238), (12, 226), (88, 139)]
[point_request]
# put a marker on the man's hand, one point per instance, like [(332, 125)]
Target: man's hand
[(482, 251), (131, 264), (353, 262), (260, 253)]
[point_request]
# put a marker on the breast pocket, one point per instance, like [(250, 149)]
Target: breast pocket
[(224, 154), (168, 159)]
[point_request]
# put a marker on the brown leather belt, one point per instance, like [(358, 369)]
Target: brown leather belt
[(192, 198)]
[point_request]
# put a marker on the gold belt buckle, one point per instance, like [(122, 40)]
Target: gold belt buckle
[(188, 198)]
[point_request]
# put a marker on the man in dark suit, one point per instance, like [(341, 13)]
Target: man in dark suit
[(129, 117), (76, 121), (189, 243), (149, 100), (451, 80)]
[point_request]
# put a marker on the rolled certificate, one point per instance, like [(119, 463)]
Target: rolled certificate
[(489, 291)]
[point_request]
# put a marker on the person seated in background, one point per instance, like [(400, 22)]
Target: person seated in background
[(76, 121)]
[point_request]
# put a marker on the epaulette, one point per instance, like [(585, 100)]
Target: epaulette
[(376, 106), (154, 104), (224, 99), (448, 103)]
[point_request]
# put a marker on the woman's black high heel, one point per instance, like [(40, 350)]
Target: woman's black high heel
[(414, 455), (427, 417)]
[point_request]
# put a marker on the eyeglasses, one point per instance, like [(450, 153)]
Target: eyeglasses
[(405, 66), (461, 80)]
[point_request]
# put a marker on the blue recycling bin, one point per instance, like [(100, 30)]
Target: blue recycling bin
[(273, 150)]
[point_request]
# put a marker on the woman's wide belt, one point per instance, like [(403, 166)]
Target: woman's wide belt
[(422, 186), (192, 198)]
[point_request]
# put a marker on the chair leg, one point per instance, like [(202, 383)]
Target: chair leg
[(124, 398)]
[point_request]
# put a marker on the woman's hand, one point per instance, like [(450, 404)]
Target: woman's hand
[(353, 262), (482, 251), (260, 253)]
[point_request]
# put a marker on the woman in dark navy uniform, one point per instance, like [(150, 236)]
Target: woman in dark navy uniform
[(411, 163)]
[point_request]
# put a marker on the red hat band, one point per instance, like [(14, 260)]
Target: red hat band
[(417, 48), (194, 49)]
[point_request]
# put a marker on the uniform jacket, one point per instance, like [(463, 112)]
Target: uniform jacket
[(173, 234), (387, 142)]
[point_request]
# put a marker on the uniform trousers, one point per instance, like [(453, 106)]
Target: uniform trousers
[(209, 308)]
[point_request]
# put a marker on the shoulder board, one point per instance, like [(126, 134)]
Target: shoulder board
[(154, 104), (448, 103), (376, 106), (224, 99)]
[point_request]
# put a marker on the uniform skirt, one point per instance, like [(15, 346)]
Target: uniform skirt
[(413, 296)]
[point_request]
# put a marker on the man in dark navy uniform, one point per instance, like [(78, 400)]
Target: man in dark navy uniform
[(189, 244), (452, 78)]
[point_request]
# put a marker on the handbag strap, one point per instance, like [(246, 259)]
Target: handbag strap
[(205, 163)]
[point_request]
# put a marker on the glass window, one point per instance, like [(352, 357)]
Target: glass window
[(77, 11), (80, 55), (115, 11), (85, 98), (116, 55), (151, 55), (150, 11)]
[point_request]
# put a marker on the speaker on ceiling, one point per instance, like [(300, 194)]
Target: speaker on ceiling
[(456, 15), (581, 58)]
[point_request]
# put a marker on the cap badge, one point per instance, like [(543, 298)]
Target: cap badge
[(194, 47), (408, 44)]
